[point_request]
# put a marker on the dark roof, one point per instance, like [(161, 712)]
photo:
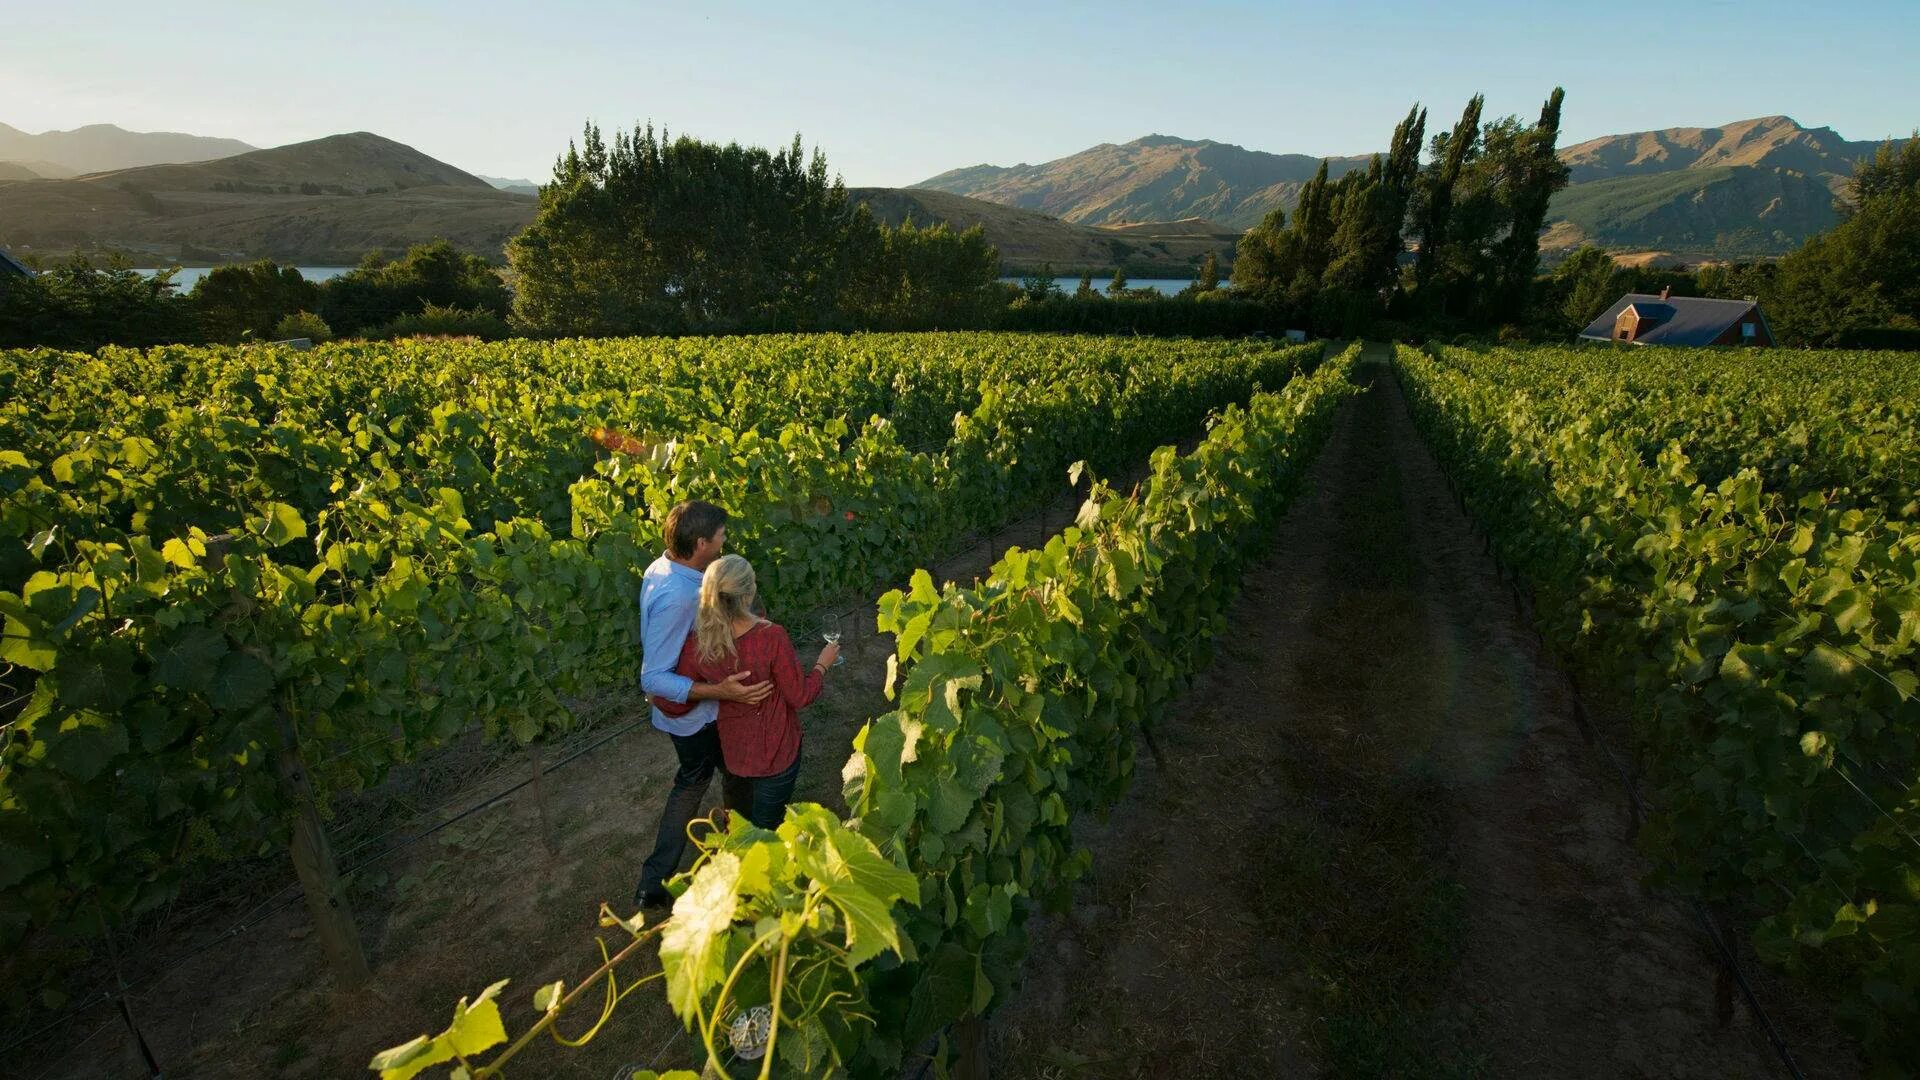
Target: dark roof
[(1684, 320), (11, 265)]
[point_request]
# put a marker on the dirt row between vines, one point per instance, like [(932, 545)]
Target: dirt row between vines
[(1378, 844)]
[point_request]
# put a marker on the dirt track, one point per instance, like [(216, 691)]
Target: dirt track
[(1379, 845)]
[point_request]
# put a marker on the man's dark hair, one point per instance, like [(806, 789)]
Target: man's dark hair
[(690, 522)]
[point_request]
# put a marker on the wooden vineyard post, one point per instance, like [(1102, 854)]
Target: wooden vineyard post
[(970, 1049), (313, 862)]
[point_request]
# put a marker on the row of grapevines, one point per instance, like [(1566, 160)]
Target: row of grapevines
[(1736, 538), (157, 442), (1017, 703), (165, 666)]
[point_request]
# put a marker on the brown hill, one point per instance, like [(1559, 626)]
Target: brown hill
[(1028, 239), (1770, 142), (326, 201), (1157, 178)]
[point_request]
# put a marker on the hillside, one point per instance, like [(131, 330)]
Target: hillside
[(1754, 187), (1156, 178), (102, 147), (327, 201), (1771, 142), (1027, 239), (1727, 210)]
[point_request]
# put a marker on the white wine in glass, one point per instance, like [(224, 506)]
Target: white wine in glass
[(830, 633)]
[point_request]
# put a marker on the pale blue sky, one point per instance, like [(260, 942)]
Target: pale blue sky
[(897, 92)]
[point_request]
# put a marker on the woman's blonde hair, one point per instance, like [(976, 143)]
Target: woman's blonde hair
[(727, 593)]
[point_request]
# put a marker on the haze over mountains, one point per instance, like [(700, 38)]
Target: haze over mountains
[(1156, 204)]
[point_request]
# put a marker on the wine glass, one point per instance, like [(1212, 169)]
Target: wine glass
[(830, 633)]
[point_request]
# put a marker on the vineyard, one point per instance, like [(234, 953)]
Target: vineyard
[(241, 585), (228, 565), (1735, 543)]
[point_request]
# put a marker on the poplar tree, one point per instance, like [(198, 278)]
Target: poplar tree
[(1435, 211)]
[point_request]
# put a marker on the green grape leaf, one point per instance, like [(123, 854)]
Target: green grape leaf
[(693, 944), (240, 681)]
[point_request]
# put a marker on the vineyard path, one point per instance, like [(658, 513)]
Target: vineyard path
[(1376, 824)]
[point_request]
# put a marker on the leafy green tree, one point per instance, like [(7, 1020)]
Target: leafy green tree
[(1040, 284), (248, 299), (1209, 277), (379, 291), (913, 278), (1118, 286), (1085, 290), (75, 306), (1864, 274), (651, 234), (1434, 207)]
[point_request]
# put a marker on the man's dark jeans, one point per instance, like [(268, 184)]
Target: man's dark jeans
[(699, 755)]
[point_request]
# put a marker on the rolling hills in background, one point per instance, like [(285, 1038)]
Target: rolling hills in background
[(101, 147), (323, 202), (1155, 205), (1756, 187), (1156, 178)]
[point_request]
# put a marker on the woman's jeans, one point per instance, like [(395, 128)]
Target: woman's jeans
[(763, 799)]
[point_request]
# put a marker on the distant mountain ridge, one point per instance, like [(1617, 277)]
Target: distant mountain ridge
[(1754, 187), (103, 147), (1155, 178), (323, 202)]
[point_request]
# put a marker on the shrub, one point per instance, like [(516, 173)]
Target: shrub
[(302, 324), (445, 321)]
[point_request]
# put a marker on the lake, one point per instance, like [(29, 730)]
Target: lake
[(189, 276), (1169, 286)]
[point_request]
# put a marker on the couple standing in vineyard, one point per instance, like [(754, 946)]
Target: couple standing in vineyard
[(724, 683)]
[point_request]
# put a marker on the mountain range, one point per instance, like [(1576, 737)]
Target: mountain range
[(323, 202), (1155, 205), (1754, 187)]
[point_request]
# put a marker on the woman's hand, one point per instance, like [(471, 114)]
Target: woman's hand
[(827, 656)]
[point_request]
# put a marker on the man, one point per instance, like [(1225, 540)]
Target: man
[(696, 534)]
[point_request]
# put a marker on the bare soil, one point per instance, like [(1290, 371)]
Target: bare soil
[(1378, 844)]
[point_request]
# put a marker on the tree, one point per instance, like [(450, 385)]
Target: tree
[(74, 306), (379, 291), (1864, 274), (1040, 284), (1085, 289), (248, 299), (921, 278), (1118, 286), (1434, 207), (1209, 277)]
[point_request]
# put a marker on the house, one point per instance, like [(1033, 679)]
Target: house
[(12, 267), (1644, 319)]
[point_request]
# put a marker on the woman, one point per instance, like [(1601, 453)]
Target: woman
[(759, 743)]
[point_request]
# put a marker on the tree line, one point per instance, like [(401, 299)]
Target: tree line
[(433, 288)]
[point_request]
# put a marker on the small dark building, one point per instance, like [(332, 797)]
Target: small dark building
[(1644, 319), (12, 267)]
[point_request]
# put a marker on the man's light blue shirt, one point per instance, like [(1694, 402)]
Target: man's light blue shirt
[(669, 597)]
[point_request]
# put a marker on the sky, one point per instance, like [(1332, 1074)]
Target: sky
[(895, 93)]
